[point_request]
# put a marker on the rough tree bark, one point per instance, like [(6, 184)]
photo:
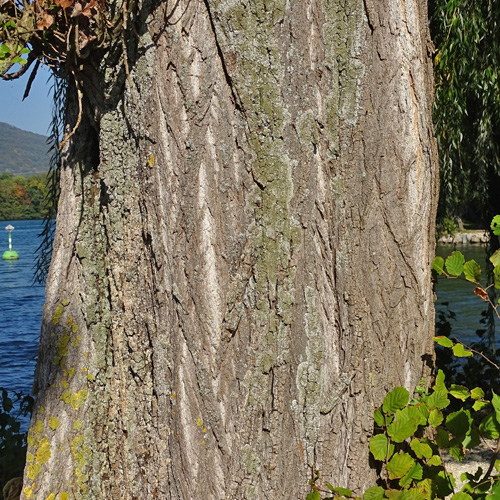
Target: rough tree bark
[(241, 263)]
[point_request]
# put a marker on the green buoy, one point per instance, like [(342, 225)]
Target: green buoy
[(10, 254)]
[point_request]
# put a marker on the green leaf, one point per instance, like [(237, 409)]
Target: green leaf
[(415, 472), (472, 440), (495, 401), (444, 341), (434, 460), (442, 438), (378, 447), (314, 495), (459, 423), (455, 263), (395, 400), (477, 393), (459, 392), (399, 465), (374, 493), (438, 399), (495, 258), (379, 418), (422, 450), (495, 225), (461, 496), (489, 427), (436, 417), (440, 381), (496, 276), (479, 405), (411, 413), (399, 431), (460, 352), (472, 271), (19, 60), (457, 451), (438, 265), (342, 492)]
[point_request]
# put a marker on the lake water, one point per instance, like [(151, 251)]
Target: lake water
[(21, 305), (460, 296)]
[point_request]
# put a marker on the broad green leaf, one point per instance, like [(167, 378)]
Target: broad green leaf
[(477, 393), (438, 399), (374, 493), (495, 401), (19, 60), (496, 276), (457, 451), (472, 440), (460, 352), (411, 413), (459, 423), (497, 465), (424, 411), (479, 405), (459, 392), (438, 265), (440, 381), (461, 496), (399, 465), (495, 258), (415, 472), (379, 418), (444, 341), (434, 460), (399, 431), (342, 492), (489, 427), (415, 494), (495, 225), (442, 482), (314, 495), (395, 400), (422, 450), (378, 447), (442, 438), (436, 417), (455, 263), (472, 271)]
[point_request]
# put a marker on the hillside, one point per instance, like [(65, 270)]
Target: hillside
[(22, 152)]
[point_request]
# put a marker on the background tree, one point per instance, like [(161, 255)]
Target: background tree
[(243, 244), (467, 107)]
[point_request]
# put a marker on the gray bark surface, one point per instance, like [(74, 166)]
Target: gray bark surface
[(241, 268)]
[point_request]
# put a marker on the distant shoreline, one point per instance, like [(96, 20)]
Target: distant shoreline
[(476, 237)]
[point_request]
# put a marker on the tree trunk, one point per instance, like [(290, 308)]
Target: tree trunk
[(241, 268)]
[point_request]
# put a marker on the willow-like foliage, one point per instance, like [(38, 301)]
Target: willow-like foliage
[(44, 251), (467, 105)]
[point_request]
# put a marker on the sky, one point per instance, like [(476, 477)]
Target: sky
[(35, 112)]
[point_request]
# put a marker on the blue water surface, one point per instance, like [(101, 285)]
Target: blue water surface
[(21, 305)]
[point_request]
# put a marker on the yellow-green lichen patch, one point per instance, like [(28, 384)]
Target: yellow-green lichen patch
[(43, 453), (28, 490), (81, 457), (66, 396), (57, 314), (54, 423), (30, 458), (78, 399), (64, 496), (33, 470), (62, 348), (77, 425), (52, 496)]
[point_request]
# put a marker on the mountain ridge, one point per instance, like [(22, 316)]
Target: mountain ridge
[(22, 152)]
